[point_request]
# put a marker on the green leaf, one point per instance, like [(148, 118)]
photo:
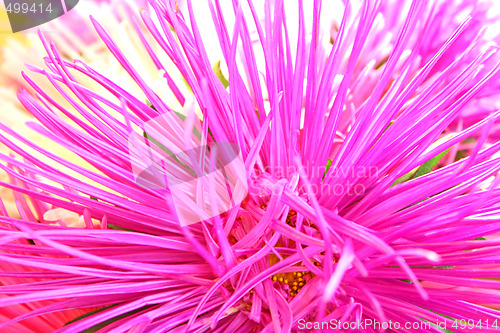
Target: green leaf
[(169, 152), (433, 267), (115, 227), (382, 62), (421, 170), (97, 327), (183, 117), (178, 114), (328, 164), (444, 330), (219, 74), (165, 149), (88, 314), (441, 322), (109, 225), (430, 164), (406, 177), (391, 122), (187, 85)]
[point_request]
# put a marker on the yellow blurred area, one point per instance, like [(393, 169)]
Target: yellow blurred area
[(24, 47), (5, 30), (4, 24), (15, 116)]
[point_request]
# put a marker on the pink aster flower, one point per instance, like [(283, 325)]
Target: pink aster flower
[(351, 215)]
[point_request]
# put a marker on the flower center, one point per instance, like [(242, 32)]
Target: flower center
[(293, 281)]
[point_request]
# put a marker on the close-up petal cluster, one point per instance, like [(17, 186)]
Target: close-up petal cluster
[(252, 166)]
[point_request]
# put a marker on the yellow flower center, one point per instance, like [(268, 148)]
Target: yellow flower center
[(293, 281)]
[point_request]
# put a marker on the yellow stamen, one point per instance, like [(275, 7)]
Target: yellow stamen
[(294, 281)]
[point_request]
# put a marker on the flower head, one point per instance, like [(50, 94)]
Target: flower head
[(355, 210)]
